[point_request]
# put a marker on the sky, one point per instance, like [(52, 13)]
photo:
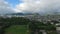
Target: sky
[(33, 6), (13, 2)]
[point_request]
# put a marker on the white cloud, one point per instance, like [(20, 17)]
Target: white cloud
[(39, 6), (29, 5), (5, 7)]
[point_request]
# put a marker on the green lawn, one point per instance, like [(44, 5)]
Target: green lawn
[(17, 29)]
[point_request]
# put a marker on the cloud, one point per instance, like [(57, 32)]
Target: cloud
[(44, 6), (29, 5), (5, 7)]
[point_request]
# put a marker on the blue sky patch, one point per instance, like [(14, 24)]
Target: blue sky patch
[(13, 2)]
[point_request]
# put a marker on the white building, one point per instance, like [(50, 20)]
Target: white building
[(58, 28)]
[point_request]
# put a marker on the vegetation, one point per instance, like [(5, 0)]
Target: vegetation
[(14, 24), (16, 29)]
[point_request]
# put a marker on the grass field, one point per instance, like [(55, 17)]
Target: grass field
[(17, 29)]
